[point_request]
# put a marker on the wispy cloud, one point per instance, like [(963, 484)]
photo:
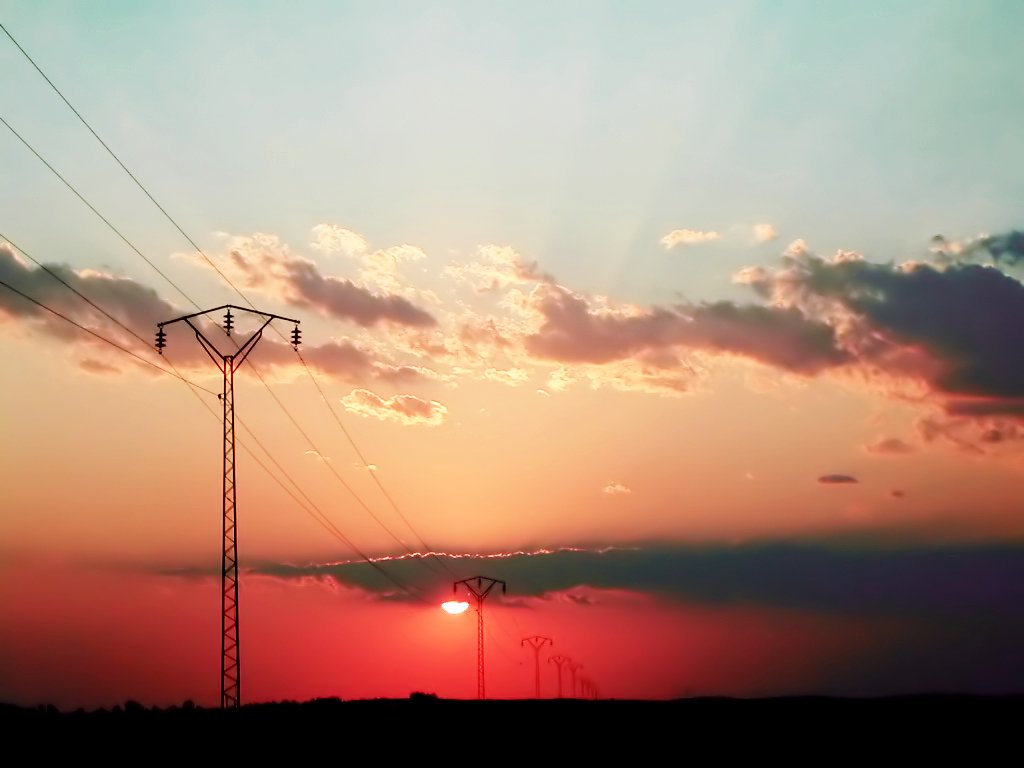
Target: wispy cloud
[(764, 233), (263, 263), (404, 409), (679, 237), (978, 434), (615, 488), (331, 238), (889, 446), (97, 367)]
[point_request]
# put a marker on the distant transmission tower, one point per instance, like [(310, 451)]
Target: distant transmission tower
[(230, 676), (573, 668), (587, 688), (559, 661), (536, 642), (479, 587)]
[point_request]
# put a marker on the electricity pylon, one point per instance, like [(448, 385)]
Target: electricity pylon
[(587, 688), (479, 587), (559, 661), (573, 667), (230, 675), (536, 642)]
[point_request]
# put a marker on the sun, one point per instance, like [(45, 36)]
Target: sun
[(455, 606)]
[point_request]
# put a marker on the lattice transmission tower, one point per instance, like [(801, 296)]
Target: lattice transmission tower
[(480, 587), (230, 670)]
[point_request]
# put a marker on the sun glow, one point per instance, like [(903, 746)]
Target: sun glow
[(455, 606)]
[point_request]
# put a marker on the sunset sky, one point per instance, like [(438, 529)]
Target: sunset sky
[(700, 324)]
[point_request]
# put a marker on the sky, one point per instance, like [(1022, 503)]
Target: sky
[(698, 324)]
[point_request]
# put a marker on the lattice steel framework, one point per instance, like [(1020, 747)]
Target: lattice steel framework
[(559, 661), (479, 587), (230, 670), (573, 668), (536, 642)]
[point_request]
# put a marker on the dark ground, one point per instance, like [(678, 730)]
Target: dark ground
[(982, 729)]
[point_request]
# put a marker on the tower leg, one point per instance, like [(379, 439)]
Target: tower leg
[(480, 692), (230, 695)]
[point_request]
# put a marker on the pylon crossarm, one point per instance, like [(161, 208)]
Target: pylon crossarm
[(478, 590), (267, 315)]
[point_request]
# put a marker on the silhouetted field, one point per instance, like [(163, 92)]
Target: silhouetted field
[(926, 722)]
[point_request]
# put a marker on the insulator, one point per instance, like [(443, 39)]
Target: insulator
[(229, 323), (296, 336), (161, 340)]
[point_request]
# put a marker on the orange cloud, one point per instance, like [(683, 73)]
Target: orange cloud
[(263, 263), (573, 330), (615, 488), (889, 446), (404, 409)]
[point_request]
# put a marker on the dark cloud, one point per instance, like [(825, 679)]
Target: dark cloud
[(574, 331), (780, 336), (343, 299), (140, 308), (264, 264), (837, 479), (891, 581), (933, 619), (132, 303), (1007, 248), (980, 408), (970, 318), (340, 359), (966, 320)]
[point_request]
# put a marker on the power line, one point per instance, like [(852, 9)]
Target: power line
[(364, 463), (91, 332), (255, 368), (174, 372), (117, 159), (192, 386), (334, 471), (89, 205), (226, 279), (321, 516)]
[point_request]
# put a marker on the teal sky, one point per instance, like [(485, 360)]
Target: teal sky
[(579, 133)]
